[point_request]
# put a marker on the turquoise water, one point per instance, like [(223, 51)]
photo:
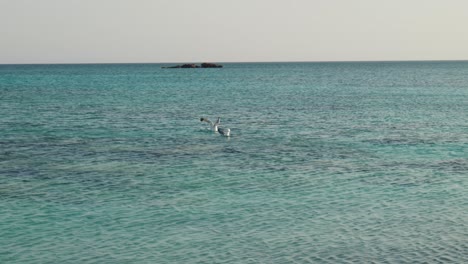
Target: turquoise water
[(327, 163)]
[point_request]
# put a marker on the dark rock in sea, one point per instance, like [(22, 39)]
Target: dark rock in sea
[(192, 66), (185, 66), (210, 65), (189, 66)]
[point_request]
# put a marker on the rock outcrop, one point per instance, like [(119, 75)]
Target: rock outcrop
[(211, 65), (192, 66)]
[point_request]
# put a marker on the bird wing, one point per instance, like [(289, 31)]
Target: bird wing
[(206, 120)]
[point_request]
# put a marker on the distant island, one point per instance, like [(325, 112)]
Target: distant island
[(190, 66)]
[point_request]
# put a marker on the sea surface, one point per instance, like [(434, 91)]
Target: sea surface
[(357, 162)]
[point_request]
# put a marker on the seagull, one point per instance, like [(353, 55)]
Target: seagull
[(215, 126), (223, 131)]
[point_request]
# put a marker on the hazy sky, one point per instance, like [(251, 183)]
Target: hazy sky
[(81, 31)]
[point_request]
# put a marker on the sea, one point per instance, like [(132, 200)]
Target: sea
[(327, 162)]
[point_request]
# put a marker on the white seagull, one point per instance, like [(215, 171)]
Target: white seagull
[(215, 126)]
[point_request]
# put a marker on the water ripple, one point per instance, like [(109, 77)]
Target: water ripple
[(327, 163)]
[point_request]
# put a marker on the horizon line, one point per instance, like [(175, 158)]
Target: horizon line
[(235, 62)]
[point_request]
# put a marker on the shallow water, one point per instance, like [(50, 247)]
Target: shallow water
[(327, 163)]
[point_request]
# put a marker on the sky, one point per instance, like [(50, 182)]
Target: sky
[(147, 31)]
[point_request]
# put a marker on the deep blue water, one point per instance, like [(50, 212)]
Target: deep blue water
[(326, 163)]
